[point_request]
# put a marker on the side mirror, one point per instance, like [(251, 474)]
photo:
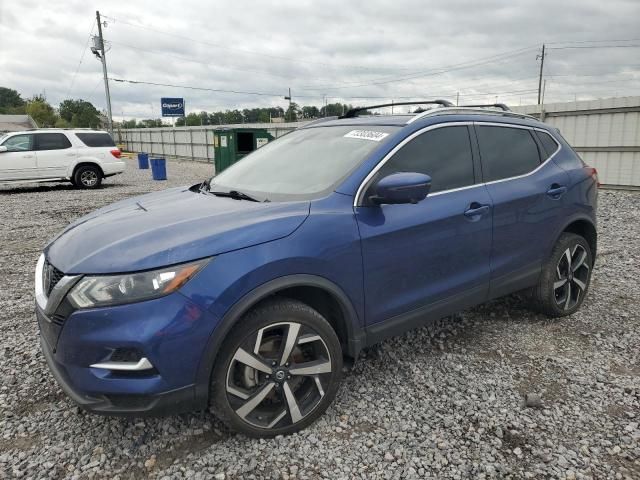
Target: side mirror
[(3, 148), (404, 187)]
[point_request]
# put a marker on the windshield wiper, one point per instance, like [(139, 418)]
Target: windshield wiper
[(235, 194)]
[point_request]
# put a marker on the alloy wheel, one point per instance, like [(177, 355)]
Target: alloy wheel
[(572, 277), (278, 375), (89, 178)]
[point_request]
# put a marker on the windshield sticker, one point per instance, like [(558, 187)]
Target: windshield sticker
[(366, 135)]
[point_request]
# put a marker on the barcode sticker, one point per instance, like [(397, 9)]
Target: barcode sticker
[(366, 135)]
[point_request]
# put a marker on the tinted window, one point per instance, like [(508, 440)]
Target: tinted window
[(506, 152), (52, 141), (443, 153), (19, 143), (548, 143), (94, 139)]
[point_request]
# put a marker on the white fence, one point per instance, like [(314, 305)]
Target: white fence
[(188, 143), (606, 134)]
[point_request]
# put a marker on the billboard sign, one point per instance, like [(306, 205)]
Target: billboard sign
[(172, 107)]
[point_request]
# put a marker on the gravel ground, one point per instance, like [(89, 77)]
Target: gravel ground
[(446, 401)]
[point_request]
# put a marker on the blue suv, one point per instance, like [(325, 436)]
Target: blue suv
[(247, 292)]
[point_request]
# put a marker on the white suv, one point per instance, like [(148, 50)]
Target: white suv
[(82, 157)]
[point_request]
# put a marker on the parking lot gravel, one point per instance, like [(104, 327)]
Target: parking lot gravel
[(495, 392)]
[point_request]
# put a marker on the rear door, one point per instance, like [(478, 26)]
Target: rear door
[(55, 153), (19, 161), (434, 254), (527, 191)]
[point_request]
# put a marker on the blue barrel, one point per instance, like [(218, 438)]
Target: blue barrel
[(159, 168), (143, 161)]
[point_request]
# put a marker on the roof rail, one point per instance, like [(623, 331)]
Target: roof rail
[(469, 110), (501, 106), (352, 113), (321, 120)]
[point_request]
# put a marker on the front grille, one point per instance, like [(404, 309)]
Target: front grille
[(51, 277)]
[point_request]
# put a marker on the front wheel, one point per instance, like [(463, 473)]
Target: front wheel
[(278, 371), (565, 277)]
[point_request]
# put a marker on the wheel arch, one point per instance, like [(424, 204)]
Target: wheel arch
[(86, 163), (317, 292), (586, 229)]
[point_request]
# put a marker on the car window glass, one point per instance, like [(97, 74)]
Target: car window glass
[(19, 143), (443, 153), (52, 141), (506, 152), (96, 139), (549, 144)]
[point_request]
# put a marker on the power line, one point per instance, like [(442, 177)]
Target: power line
[(188, 87), (594, 46), (428, 73), (84, 49)]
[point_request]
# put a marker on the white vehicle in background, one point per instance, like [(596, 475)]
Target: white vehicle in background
[(80, 156)]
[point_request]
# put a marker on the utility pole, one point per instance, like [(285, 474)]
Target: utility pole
[(103, 58), (457, 99), (289, 98), (541, 57)]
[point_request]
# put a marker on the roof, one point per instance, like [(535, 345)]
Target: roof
[(53, 130), (16, 123)]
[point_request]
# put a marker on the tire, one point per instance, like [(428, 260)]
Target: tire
[(87, 176), (277, 397), (559, 292)]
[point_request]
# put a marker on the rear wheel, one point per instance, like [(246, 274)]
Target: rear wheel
[(278, 370), (87, 176), (565, 277)]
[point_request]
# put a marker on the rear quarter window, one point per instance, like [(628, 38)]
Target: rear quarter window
[(96, 139), (548, 143)]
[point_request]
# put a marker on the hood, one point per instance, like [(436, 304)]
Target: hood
[(169, 227)]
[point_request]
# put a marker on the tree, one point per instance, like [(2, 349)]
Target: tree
[(292, 112), (40, 110), (11, 101), (80, 113), (192, 120), (129, 124), (310, 112)]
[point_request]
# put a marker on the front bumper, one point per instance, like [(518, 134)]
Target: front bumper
[(171, 332)]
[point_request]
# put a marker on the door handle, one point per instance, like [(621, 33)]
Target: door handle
[(556, 191), (475, 210), (27, 156)]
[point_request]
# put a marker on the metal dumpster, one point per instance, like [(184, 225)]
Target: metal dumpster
[(231, 144)]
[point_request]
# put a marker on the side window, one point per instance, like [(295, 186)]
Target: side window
[(52, 141), (548, 143), (443, 153), (19, 143), (506, 152), (96, 139)]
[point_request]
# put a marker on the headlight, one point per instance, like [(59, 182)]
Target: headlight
[(100, 291)]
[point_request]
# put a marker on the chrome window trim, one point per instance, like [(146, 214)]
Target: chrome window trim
[(364, 184)]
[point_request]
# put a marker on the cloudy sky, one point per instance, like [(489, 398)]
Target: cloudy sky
[(356, 52)]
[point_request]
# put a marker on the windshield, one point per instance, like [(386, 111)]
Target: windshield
[(302, 164)]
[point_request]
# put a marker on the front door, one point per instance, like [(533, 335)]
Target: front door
[(55, 154), (434, 256), (19, 161)]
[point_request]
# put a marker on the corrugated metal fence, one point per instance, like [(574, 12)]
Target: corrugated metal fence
[(605, 132), (188, 143)]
